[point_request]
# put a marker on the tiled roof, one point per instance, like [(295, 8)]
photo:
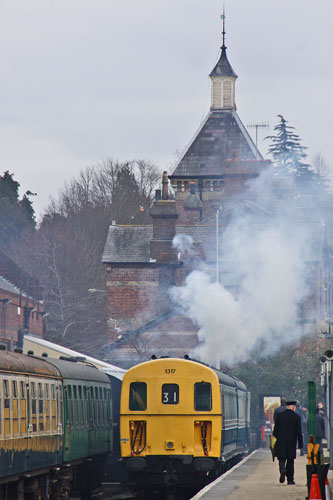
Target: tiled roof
[(223, 66), (128, 244), (131, 244), (16, 275), (221, 133)]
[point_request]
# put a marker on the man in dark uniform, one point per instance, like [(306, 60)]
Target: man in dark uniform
[(279, 409), (288, 432)]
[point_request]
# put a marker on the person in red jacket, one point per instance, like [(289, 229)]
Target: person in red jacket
[(288, 433)]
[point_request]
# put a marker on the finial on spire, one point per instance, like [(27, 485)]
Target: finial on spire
[(223, 29)]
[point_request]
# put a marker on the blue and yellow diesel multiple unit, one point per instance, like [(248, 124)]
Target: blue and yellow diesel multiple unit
[(181, 422)]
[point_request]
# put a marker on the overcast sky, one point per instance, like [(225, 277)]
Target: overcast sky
[(86, 80)]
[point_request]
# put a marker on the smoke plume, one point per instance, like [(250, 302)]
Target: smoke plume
[(264, 250)]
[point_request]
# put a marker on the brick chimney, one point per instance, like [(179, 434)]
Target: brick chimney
[(164, 214), (192, 206)]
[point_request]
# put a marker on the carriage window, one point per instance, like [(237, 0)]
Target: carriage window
[(40, 390), (14, 382), (138, 396), (22, 389), (6, 393), (170, 394), (202, 396), (6, 388), (33, 390)]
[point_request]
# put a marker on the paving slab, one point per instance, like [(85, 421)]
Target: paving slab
[(257, 478)]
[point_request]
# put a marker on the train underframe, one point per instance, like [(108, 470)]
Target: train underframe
[(55, 483), (154, 472)]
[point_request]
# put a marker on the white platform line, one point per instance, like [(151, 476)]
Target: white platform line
[(219, 479)]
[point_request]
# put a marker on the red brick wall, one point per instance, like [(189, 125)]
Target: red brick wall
[(12, 318), (130, 296)]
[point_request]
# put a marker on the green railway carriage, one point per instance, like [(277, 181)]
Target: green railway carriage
[(87, 410)]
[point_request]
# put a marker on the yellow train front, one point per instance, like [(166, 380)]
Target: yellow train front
[(181, 423)]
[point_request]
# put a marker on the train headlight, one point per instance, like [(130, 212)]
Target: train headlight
[(169, 445)]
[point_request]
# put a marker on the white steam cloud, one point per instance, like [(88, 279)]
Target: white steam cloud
[(265, 255), (183, 243)]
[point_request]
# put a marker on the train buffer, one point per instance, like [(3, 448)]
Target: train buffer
[(257, 478)]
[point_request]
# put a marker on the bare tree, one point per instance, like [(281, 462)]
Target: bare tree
[(69, 243), (323, 168)]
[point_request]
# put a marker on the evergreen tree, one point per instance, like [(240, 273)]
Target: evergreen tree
[(17, 215), (289, 155)]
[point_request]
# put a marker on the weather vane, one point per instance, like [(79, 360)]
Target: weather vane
[(223, 29)]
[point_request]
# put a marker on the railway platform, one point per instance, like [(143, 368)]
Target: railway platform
[(257, 478)]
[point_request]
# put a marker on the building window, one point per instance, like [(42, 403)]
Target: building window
[(227, 94), (216, 94)]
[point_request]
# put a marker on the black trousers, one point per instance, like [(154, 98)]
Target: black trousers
[(287, 465)]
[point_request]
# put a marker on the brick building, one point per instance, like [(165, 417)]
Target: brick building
[(210, 185), (21, 309)]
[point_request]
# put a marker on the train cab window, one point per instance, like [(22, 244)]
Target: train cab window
[(138, 396), (170, 394), (202, 396)]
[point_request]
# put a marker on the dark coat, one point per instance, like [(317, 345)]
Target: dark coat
[(320, 427), (287, 431)]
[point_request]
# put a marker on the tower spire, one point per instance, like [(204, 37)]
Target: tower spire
[(223, 29), (223, 78)]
